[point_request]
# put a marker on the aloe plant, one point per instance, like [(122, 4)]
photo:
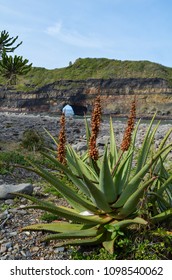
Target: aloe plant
[(107, 191)]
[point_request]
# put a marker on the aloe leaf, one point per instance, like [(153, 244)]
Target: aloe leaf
[(162, 216), (165, 186), (82, 167), (128, 222), (131, 203), (109, 245), (158, 166), (68, 213), (162, 203), (129, 164), (135, 181), (84, 241), (165, 139), (113, 146), (144, 152), (72, 215), (120, 177), (70, 233), (98, 196), (106, 184), (51, 136), (77, 181), (56, 227), (88, 132), (72, 197)]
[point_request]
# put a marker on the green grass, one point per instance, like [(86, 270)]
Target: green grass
[(93, 68)]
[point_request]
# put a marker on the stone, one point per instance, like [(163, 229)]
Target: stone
[(13, 233), (9, 202), (81, 147), (7, 190), (3, 215), (5, 247), (102, 141), (59, 249), (35, 249)]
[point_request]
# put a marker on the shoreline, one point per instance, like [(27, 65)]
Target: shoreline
[(55, 114)]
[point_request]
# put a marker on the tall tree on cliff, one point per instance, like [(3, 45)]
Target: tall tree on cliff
[(7, 42), (11, 67)]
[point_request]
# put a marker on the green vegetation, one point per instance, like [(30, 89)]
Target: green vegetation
[(11, 67), (8, 159), (94, 68), (133, 245), (7, 42), (112, 193), (32, 140)]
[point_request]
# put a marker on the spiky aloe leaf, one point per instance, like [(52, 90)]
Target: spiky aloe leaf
[(131, 204), (113, 146), (162, 216), (165, 186), (82, 240), (71, 233), (59, 226), (135, 181), (71, 196), (76, 180), (88, 132), (108, 244), (98, 196), (145, 149), (127, 222), (64, 212), (106, 184), (81, 167), (51, 136), (164, 140), (161, 202), (127, 167), (119, 176)]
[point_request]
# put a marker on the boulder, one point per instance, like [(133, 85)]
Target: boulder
[(7, 190)]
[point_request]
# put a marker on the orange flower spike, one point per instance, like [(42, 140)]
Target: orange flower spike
[(95, 125), (130, 127), (61, 151)]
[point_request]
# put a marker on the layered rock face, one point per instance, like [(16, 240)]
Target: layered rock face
[(153, 94)]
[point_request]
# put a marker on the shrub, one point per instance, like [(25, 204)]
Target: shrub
[(32, 140)]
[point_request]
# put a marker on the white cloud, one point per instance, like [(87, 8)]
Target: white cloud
[(55, 29), (73, 37)]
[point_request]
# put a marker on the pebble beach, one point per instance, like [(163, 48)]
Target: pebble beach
[(18, 245)]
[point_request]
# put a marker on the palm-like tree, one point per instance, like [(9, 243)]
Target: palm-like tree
[(11, 67), (6, 42)]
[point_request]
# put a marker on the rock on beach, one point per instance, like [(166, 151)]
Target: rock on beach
[(6, 191)]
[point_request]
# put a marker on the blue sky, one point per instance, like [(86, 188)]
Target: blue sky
[(56, 32)]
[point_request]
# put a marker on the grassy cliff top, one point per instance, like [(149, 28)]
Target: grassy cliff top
[(95, 68)]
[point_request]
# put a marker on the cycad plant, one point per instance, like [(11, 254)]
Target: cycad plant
[(107, 188)]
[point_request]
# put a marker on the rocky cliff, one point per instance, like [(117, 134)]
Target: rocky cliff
[(153, 94)]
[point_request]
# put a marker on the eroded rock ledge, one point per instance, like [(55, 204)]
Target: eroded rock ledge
[(153, 94)]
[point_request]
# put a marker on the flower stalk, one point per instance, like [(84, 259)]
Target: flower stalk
[(61, 150), (95, 126), (129, 129)]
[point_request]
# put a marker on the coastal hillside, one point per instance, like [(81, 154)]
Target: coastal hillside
[(93, 68), (43, 90)]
